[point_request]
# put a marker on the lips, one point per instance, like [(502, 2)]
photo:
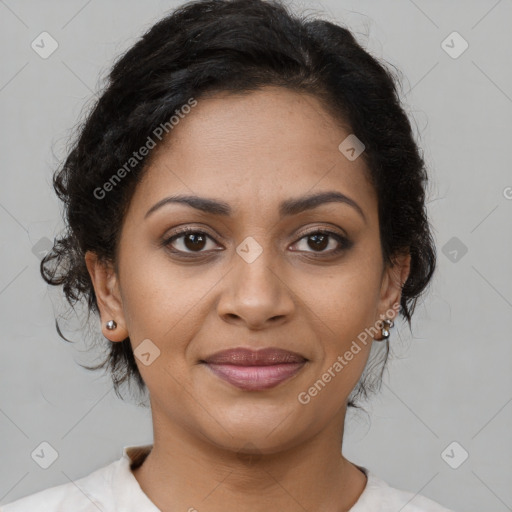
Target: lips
[(247, 357), (255, 370)]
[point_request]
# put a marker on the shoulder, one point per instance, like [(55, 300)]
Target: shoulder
[(88, 494), (378, 496)]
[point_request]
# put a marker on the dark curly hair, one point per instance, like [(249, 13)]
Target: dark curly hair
[(209, 46)]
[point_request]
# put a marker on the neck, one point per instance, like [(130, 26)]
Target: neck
[(187, 472)]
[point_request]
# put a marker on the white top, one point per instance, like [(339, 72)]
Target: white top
[(114, 488)]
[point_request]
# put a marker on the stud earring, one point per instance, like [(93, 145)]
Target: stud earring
[(111, 325)]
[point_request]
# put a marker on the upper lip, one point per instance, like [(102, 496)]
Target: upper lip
[(249, 357)]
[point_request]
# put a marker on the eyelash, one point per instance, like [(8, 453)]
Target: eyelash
[(344, 243)]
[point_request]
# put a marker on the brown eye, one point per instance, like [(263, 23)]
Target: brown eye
[(194, 241), (188, 241), (320, 240)]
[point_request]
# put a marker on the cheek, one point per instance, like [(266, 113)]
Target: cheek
[(166, 304), (346, 300), (346, 303), (156, 294)]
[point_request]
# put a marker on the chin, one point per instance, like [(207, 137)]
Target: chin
[(257, 434)]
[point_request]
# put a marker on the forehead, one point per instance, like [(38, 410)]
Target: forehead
[(258, 147)]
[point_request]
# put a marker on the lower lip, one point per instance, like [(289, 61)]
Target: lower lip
[(255, 378)]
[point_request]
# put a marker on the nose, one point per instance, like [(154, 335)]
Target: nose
[(256, 294)]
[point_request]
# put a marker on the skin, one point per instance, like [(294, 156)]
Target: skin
[(251, 151)]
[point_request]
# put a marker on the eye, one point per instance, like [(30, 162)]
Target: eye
[(320, 239), (189, 240)]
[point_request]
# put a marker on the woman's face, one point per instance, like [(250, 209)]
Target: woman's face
[(254, 278)]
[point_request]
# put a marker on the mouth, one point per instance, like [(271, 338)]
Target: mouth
[(255, 370)]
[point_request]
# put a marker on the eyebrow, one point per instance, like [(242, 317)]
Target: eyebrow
[(288, 207)]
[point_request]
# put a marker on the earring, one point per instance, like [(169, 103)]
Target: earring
[(111, 325), (385, 330)]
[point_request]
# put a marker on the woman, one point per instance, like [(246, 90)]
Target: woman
[(246, 212)]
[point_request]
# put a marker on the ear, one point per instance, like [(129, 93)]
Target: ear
[(394, 278), (106, 288)]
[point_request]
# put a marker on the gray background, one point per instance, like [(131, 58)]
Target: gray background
[(450, 381)]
